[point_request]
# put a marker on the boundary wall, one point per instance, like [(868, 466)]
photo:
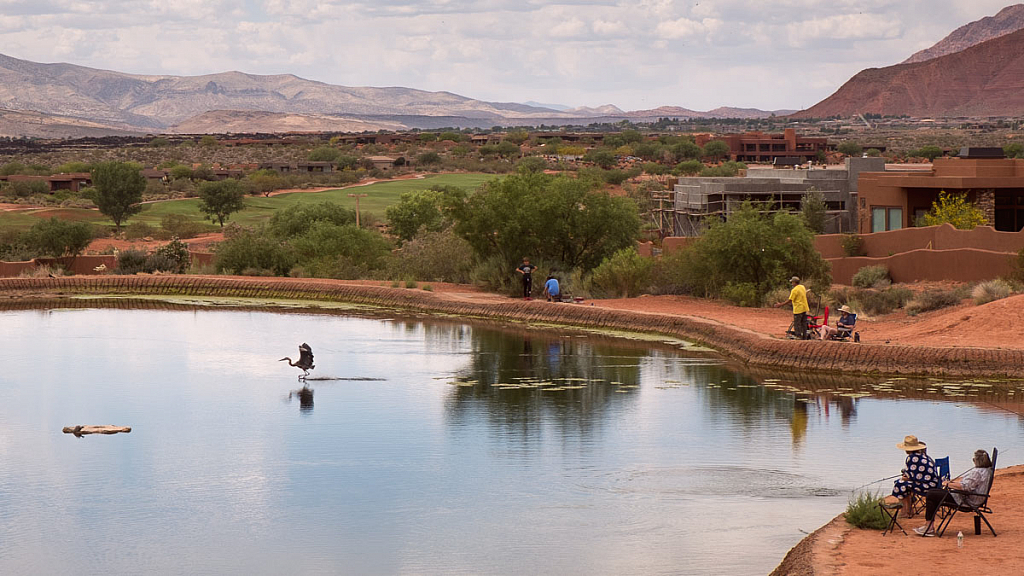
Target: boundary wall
[(81, 265), (750, 347), (915, 254)]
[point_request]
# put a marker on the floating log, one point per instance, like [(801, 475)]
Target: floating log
[(103, 429)]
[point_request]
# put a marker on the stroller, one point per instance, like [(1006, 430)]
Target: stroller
[(814, 324)]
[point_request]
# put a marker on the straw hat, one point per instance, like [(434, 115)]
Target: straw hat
[(911, 444), (845, 308), (795, 279)]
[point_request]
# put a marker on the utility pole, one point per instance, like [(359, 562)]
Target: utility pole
[(357, 197)]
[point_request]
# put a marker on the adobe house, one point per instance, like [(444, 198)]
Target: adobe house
[(995, 184), (315, 167), (73, 182), (761, 147), (155, 175), (281, 167), (382, 162)]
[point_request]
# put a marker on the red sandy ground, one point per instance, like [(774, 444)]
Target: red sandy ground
[(838, 549)]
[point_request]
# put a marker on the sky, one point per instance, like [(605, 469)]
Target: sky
[(639, 54)]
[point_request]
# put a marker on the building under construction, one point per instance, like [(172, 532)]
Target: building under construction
[(697, 199)]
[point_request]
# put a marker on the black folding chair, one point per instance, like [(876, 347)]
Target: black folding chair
[(892, 511), (951, 507)]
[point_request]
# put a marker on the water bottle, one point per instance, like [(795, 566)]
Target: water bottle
[(960, 539)]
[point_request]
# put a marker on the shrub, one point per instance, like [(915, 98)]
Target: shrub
[(1017, 268), (872, 277), (814, 210), (933, 300), (853, 245), (181, 226), (428, 287), (172, 257), (742, 293), (863, 512), (873, 302), (436, 256), (624, 274), (26, 188), (137, 230), (132, 262), (689, 168), (410, 283), (669, 274), (362, 248), (297, 220), (990, 291), (57, 238), (956, 210), (254, 249)]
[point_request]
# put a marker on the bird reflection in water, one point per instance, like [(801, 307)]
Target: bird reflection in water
[(305, 396)]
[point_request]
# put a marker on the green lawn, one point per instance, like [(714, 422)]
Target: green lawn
[(259, 209)]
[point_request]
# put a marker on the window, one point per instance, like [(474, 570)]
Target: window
[(886, 218)]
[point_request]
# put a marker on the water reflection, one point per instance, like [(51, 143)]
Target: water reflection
[(305, 396)]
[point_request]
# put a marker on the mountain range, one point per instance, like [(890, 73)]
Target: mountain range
[(977, 70), (81, 99)]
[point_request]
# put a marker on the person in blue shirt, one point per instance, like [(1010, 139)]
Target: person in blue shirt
[(551, 290)]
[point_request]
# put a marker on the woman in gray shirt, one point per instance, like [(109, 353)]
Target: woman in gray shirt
[(974, 480)]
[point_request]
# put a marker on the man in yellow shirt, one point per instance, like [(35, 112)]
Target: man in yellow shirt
[(798, 296)]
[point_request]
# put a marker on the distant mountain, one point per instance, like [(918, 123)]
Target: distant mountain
[(78, 100), (559, 107), (1008, 20), (751, 113), (984, 80), (238, 121)]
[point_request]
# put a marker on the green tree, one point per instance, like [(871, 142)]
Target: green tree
[(517, 137), (208, 141), (449, 135), (531, 164), (329, 250), (254, 250), (929, 152), (716, 149), (1014, 150), (181, 172), (873, 152), (70, 167), (602, 158), (427, 137), (814, 210), (428, 158), (119, 187), (296, 220), (631, 136), (58, 238), (687, 150), (323, 154), (850, 148), (689, 168), (549, 218), (507, 149), (159, 142), (218, 200), (955, 209), (753, 251), (432, 210), (624, 274)]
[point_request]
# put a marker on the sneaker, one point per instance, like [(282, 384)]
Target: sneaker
[(923, 531)]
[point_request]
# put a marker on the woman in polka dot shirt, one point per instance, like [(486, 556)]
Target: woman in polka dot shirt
[(919, 474)]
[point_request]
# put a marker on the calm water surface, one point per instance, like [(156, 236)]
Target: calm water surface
[(647, 460)]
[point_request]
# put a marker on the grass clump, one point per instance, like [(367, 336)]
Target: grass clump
[(991, 291), (933, 300), (872, 277), (427, 287), (410, 283), (863, 512)]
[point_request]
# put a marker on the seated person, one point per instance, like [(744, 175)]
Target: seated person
[(919, 474), (551, 290), (844, 326), (974, 480)]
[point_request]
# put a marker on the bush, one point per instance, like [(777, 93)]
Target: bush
[(132, 262), (872, 277), (814, 210), (668, 276), (689, 168), (991, 291), (933, 300), (297, 220), (873, 302), (742, 294), (410, 283), (956, 210), (181, 226), (319, 249), (624, 274), (172, 257), (26, 188), (137, 230), (254, 249), (853, 245), (57, 238), (863, 512), (436, 256)]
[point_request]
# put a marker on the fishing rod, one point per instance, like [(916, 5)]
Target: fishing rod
[(876, 482)]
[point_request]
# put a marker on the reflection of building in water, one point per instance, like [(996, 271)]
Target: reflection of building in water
[(798, 422)]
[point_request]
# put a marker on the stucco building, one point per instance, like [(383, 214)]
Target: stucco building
[(891, 201), (765, 148)]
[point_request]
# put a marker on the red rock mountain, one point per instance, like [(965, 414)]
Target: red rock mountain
[(983, 80), (1009, 19)]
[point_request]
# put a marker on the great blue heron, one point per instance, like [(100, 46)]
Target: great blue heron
[(305, 362)]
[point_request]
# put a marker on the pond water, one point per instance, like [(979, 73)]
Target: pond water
[(433, 448)]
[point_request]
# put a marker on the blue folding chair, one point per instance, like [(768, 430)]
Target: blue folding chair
[(942, 468)]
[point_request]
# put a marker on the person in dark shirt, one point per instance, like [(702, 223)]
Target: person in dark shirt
[(526, 269)]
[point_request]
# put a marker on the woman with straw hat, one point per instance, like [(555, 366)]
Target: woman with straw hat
[(919, 474)]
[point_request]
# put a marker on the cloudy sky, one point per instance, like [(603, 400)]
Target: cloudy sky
[(634, 54)]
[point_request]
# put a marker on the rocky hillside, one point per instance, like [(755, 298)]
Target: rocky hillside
[(236, 121), (983, 80), (1009, 19)]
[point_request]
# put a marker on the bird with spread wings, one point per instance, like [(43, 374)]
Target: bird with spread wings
[(305, 362)]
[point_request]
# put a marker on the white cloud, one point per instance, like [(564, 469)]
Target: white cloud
[(633, 53)]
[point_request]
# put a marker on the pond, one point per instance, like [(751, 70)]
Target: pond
[(432, 446)]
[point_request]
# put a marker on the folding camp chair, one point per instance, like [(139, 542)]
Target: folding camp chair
[(815, 324), (942, 471), (892, 511), (951, 507)]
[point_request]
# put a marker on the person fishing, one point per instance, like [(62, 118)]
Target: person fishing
[(918, 475)]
